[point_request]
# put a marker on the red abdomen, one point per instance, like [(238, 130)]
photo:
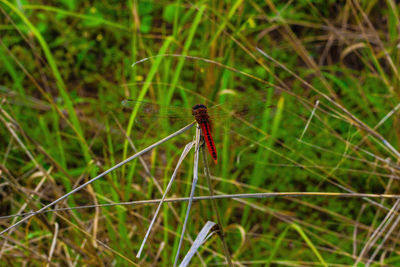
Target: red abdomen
[(206, 129)]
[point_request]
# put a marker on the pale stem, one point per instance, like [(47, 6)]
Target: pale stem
[(188, 147), (222, 196), (99, 176), (215, 209), (195, 178)]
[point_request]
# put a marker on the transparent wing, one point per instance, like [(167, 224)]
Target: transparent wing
[(153, 110), (244, 110)]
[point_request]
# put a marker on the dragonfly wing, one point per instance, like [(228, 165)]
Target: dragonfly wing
[(151, 109), (150, 113), (239, 110)]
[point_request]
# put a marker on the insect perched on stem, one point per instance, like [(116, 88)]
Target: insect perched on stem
[(232, 116), (200, 113)]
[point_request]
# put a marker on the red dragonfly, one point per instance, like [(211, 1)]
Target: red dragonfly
[(200, 113), (203, 116)]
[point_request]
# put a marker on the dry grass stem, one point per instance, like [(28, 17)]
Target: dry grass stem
[(309, 119), (215, 209), (99, 176), (220, 196), (188, 147), (194, 182), (53, 244), (380, 230), (200, 240)]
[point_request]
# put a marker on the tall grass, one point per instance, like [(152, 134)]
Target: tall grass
[(66, 67)]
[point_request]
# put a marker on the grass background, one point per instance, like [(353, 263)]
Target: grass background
[(65, 67)]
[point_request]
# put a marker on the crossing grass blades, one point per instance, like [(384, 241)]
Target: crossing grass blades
[(198, 144)]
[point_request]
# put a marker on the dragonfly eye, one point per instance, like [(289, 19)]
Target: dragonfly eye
[(195, 107)]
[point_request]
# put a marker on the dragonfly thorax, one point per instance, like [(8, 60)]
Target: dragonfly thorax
[(200, 113)]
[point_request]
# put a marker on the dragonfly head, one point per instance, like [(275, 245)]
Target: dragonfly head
[(198, 106)]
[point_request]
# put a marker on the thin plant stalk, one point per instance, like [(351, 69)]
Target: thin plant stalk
[(215, 209), (53, 244), (389, 232), (379, 231), (205, 233), (188, 147), (99, 176), (228, 196), (195, 178)]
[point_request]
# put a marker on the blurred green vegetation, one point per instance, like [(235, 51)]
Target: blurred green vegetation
[(65, 67)]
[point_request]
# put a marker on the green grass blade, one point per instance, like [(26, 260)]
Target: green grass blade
[(98, 20), (181, 60), (235, 6), (276, 247), (143, 91), (257, 176), (57, 76), (309, 243)]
